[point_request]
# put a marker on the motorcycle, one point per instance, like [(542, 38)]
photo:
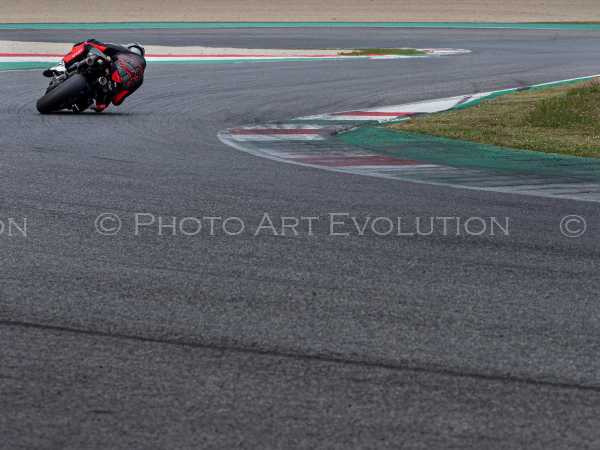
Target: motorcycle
[(78, 87)]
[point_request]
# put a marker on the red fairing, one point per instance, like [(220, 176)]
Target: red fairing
[(118, 99), (116, 77), (75, 52), (79, 49), (102, 48)]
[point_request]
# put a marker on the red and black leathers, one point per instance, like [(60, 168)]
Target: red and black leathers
[(127, 68)]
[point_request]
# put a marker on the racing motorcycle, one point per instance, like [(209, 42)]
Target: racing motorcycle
[(79, 86)]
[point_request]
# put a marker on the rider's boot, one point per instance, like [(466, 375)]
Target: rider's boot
[(99, 107)]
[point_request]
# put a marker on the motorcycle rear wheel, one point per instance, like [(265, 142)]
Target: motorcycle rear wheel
[(63, 96)]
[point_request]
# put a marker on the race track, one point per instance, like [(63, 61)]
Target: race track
[(162, 341)]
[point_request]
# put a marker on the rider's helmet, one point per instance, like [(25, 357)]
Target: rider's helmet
[(137, 48)]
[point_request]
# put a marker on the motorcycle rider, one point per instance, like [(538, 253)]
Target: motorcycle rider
[(127, 64)]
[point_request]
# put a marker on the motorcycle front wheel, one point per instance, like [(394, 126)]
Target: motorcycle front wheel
[(66, 94)]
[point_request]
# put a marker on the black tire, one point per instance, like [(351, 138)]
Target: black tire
[(64, 95)]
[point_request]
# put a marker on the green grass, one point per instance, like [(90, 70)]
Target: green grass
[(555, 120), (384, 51)]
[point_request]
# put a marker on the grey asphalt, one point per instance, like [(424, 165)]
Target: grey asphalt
[(265, 341)]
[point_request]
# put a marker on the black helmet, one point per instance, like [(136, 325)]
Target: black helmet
[(137, 48)]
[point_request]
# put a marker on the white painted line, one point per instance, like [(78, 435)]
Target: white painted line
[(392, 168), (47, 57), (284, 126), (13, 59), (387, 113), (274, 138)]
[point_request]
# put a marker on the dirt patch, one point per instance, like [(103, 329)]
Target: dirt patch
[(306, 10)]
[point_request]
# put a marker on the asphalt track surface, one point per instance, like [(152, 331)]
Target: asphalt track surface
[(313, 341)]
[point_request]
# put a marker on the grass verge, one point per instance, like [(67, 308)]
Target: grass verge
[(562, 119), (384, 51)]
